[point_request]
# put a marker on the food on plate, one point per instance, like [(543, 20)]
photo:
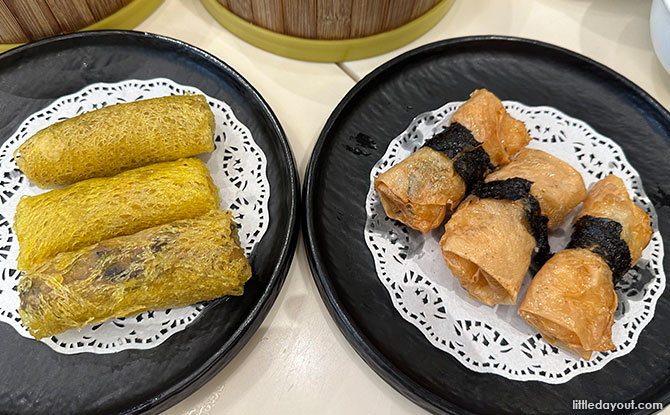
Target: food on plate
[(167, 266), (490, 239), (421, 189), (118, 137), (571, 301), (559, 187), (96, 209)]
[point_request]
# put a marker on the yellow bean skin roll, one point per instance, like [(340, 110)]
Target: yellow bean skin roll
[(97, 209), (115, 138), (167, 266)]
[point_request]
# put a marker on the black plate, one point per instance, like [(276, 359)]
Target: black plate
[(34, 379), (337, 181)]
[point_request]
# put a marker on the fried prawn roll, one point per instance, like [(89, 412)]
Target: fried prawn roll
[(421, 189), (167, 266), (571, 301), (490, 240), (96, 209), (115, 138)]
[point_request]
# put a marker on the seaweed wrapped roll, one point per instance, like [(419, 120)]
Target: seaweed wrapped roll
[(571, 301), (421, 189), (490, 240)]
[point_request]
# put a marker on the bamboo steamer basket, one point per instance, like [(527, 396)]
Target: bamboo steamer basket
[(328, 30), (28, 20)]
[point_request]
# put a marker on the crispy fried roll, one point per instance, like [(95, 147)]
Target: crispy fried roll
[(96, 209), (609, 199), (166, 266), (571, 301), (118, 137), (559, 187), (421, 189), (490, 240)]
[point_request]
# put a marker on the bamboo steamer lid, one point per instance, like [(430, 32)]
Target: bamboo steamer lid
[(328, 30), (28, 20)]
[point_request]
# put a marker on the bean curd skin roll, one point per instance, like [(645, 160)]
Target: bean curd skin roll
[(96, 209), (420, 190), (609, 199), (167, 266), (115, 138), (559, 187), (571, 301), (490, 240)]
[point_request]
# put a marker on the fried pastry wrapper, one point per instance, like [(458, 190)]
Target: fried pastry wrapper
[(115, 138), (421, 189), (501, 135), (557, 186), (96, 209), (167, 266), (488, 244), (571, 302), (609, 198), (488, 247)]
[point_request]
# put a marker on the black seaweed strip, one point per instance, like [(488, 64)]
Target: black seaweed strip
[(519, 189), (515, 188), (472, 166), (603, 237), (453, 140), (471, 161)]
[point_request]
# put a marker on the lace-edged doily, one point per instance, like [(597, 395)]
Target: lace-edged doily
[(495, 339), (237, 165)]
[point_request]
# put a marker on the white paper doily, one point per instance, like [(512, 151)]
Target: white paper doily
[(237, 165), (495, 339)]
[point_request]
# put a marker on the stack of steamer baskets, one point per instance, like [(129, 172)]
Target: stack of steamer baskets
[(28, 20), (328, 31)]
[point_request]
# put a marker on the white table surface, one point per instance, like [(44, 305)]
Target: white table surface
[(298, 362)]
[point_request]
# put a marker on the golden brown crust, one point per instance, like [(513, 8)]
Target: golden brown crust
[(420, 190), (557, 186), (572, 301), (488, 244), (488, 247), (501, 135), (609, 198)]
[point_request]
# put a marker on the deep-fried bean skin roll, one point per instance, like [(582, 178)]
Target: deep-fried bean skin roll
[(421, 189), (490, 240), (609, 199), (559, 189), (118, 137), (168, 266), (571, 301), (96, 209)]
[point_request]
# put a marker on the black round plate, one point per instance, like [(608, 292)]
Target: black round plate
[(337, 180), (34, 379)]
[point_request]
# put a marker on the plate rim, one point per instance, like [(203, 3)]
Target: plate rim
[(233, 345), (392, 375)]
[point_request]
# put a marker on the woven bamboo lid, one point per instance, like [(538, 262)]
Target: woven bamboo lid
[(328, 30), (28, 20)]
